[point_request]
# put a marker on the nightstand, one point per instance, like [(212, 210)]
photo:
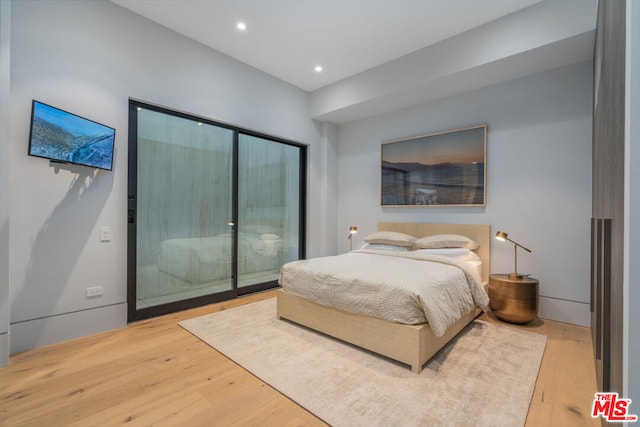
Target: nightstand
[(513, 300)]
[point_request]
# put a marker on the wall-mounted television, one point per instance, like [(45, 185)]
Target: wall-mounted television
[(64, 137)]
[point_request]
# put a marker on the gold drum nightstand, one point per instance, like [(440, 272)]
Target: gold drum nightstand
[(513, 300)]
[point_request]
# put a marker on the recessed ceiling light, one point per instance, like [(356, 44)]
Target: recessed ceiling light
[(318, 68), (241, 26)]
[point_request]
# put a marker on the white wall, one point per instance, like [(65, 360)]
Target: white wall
[(632, 210), (5, 100), (89, 58), (329, 197), (539, 177), (546, 35)]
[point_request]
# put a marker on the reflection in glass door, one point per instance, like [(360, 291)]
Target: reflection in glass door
[(184, 206), (268, 208), (214, 211)]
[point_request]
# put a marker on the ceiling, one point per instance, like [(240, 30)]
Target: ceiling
[(289, 38)]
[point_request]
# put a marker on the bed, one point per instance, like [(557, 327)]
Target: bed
[(208, 259), (412, 344)]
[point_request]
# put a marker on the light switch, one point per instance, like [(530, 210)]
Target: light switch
[(105, 234)]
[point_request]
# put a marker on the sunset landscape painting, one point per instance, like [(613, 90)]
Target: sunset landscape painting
[(439, 169)]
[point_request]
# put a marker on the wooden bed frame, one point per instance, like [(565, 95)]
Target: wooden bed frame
[(413, 345)]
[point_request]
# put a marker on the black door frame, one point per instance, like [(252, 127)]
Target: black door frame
[(133, 313)]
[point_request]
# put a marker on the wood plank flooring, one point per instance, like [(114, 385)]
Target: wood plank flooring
[(155, 373)]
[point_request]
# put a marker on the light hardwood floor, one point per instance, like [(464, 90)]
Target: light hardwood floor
[(155, 373)]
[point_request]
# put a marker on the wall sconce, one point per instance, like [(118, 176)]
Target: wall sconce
[(502, 236), (352, 230)]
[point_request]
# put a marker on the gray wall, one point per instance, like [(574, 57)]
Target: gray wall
[(5, 100), (539, 177), (89, 58), (632, 283)]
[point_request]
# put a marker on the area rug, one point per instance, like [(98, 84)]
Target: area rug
[(484, 377)]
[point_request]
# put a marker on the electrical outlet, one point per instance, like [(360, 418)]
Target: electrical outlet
[(94, 291), (105, 234)]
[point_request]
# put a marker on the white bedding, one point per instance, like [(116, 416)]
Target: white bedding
[(196, 260), (401, 287), (207, 259)]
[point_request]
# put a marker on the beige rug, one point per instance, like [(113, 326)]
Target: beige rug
[(484, 377)]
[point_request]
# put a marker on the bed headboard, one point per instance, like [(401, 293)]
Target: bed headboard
[(481, 233)]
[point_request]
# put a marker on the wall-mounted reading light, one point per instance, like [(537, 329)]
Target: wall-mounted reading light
[(352, 230)]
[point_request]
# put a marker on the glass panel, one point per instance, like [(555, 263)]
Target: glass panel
[(184, 206), (268, 208)]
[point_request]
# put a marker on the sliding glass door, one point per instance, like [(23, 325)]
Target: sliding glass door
[(214, 211), (268, 208)]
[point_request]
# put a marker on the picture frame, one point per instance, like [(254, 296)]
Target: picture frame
[(439, 169)]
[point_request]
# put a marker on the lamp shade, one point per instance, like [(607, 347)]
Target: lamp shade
[(502, 236), (353, 230)]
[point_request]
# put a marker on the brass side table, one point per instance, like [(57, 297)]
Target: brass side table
[(513, 300)]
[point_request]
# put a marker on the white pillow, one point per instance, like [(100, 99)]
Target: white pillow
[(390, 238), (462, 254), (447, 241), (453, 252), (385, 247)]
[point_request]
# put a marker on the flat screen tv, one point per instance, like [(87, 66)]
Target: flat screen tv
[(67, 138)]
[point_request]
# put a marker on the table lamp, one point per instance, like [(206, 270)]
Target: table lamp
[(502, 236)]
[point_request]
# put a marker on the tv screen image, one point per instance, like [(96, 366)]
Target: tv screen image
[(65, 137)]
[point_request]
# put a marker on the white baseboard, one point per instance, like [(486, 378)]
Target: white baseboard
[(576, 313), (54, 329)]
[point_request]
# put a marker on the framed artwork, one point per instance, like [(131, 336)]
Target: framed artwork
[(439, 169)]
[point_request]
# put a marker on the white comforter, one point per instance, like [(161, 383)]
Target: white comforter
[(401, 287)]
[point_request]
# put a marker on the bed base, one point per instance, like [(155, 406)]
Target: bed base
[(413, 345)]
